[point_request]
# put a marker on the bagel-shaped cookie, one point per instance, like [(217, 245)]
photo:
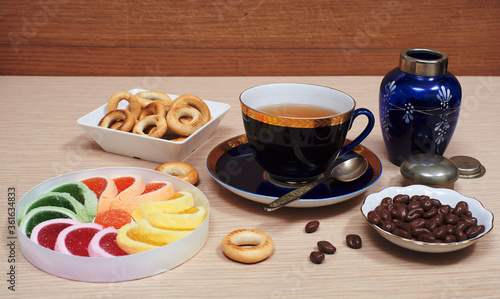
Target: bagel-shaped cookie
[(147, 96), (180, 170), (154, 125), (122, 120), (153, 108), (116, 125), (236, 246), (135, 106), (184, 120), (196, 102), (144, 103), (166, 104)]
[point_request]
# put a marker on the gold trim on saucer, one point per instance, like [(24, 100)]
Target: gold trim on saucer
[(236, 141), (223, 175)]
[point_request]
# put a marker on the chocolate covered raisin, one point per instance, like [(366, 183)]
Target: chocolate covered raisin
[(401, 198), (374, 217), (326, 247), (317, 257), (388, 226), (475, 231), (461, 208), (312, 226), (430, 213), (353, 241)]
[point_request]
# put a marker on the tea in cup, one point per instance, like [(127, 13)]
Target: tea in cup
[(297, 131)]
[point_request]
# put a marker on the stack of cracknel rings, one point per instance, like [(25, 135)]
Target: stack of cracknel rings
[(154, 114)]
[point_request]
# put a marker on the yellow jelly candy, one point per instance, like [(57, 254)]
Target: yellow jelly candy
[(189, 219), (131, 241), (152, 234), (179, 202)]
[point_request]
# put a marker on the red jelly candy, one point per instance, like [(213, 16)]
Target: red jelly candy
[(114, 217), (74, 240), (46, 233), (108, 243), (104, 244)]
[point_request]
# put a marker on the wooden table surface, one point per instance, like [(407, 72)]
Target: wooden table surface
[(41, 139)]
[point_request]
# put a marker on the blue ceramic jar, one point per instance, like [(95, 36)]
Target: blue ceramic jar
[(419, 105)]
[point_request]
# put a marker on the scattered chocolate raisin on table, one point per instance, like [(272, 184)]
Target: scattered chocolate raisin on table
[(353, 241), (326, 247), (312, 226), (317, 257)]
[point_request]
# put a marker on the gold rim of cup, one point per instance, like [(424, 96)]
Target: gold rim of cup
[(298, 122)]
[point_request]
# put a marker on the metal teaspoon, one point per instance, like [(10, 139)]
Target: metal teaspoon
[(346, 171)]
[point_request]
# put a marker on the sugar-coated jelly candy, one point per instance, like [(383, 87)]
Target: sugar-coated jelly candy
[(80, 192), (154, 191), (129, 186), (113, 218), (46, 233), (75, 239), (103, 244), (104, 188)]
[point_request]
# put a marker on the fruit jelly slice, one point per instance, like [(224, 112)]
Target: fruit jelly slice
[(48, 235), (114, 217), (108, 243), (41, 217), (78, 240), (150, 187), (123, 183), (136, 235), (97, 185), (54, 201), (73, 189)]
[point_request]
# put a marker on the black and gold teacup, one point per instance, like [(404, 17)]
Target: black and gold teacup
[(297, 131)]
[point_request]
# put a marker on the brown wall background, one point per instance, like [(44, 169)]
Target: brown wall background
[(242, 37)]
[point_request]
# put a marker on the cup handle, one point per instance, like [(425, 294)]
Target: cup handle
[(364, 134)]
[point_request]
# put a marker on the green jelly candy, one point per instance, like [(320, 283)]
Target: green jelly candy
[(41, 214), (80, 192), (56, 199)]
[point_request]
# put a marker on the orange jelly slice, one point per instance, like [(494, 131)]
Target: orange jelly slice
[(122, 183), (96, 184), (153, 191), (104, 188), (113, 217), (129, 186), (150, 187)]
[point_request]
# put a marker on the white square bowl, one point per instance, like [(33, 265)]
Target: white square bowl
[(148, 148)]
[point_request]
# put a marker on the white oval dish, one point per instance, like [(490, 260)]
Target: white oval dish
[(122, 268), (446, 196)]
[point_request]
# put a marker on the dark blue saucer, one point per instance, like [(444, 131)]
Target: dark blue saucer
[(232, 164)]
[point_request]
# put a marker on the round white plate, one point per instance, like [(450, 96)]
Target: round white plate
[(122, 268)]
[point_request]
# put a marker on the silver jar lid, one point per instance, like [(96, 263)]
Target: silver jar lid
[(429, 169), (423, 62), (468, 167)]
